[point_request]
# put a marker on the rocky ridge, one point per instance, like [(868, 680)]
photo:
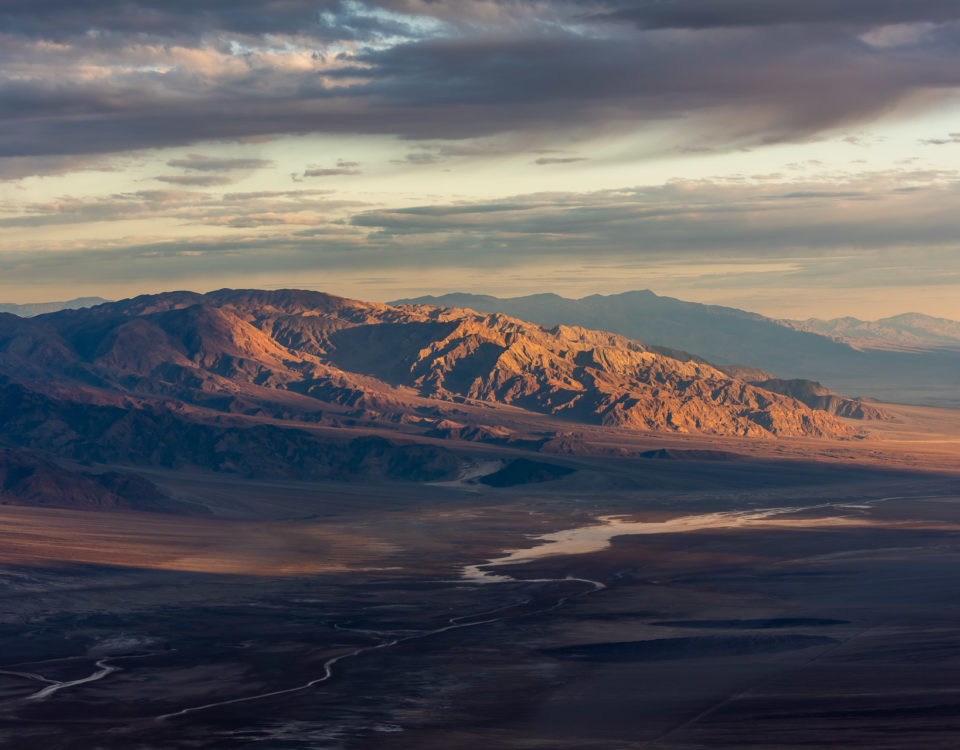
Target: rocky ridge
[(245, 351), (304, 385)]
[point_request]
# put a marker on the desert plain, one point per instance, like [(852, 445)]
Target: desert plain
[(783, 593)]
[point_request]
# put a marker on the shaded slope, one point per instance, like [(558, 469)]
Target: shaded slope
[(26, 479), (164, 438), (816, 396), (524, 471), (811, 393)]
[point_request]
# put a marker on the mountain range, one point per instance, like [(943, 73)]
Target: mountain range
[(248, 351), (308, 385), (909, 331), (39, 308), (727, 336)]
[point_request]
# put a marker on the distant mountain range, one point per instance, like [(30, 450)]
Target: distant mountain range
[(727, 336), (308, 385), (909, 331), (39, 308)]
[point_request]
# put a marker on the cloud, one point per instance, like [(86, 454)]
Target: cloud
[(190, 207), (134, 259), (252, 195), (62, 20), (420, 158), (766, 218), (343, 167), (893, 229), (467, 150), (711, 14), (18, 167), (195, 180), (327, 172), (544, 160), (107, 76), (201, 163), (951, 138)]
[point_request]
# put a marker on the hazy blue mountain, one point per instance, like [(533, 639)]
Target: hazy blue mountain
[(905, 331), (28, 310), (728, 336)]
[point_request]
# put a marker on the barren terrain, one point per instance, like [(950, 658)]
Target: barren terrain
[(773, 594), (288, 520)]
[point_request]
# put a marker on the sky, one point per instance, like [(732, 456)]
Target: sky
[(793, 158)]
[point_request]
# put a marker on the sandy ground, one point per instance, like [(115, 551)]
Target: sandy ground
[(47, 537)]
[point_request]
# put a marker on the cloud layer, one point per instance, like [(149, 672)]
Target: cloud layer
[(875, 229), (106, 76), (494, 98)]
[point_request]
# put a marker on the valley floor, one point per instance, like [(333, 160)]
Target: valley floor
[(323, 615)]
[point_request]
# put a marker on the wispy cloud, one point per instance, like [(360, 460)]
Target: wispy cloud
[(949, 139), (195, 180), (342, 168), (545, 160), (892, 228), (766, 218), (201, 163), (240, 209)]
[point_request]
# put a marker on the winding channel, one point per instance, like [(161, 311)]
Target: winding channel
[(578, 540), (103, 668), (455, 623)]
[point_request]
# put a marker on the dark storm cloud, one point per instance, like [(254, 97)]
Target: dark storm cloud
[(106, 76), (783, 83), (706, 14), (185, 19)]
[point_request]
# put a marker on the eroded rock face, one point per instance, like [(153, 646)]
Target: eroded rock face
[(600, 377), (229, 350)]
